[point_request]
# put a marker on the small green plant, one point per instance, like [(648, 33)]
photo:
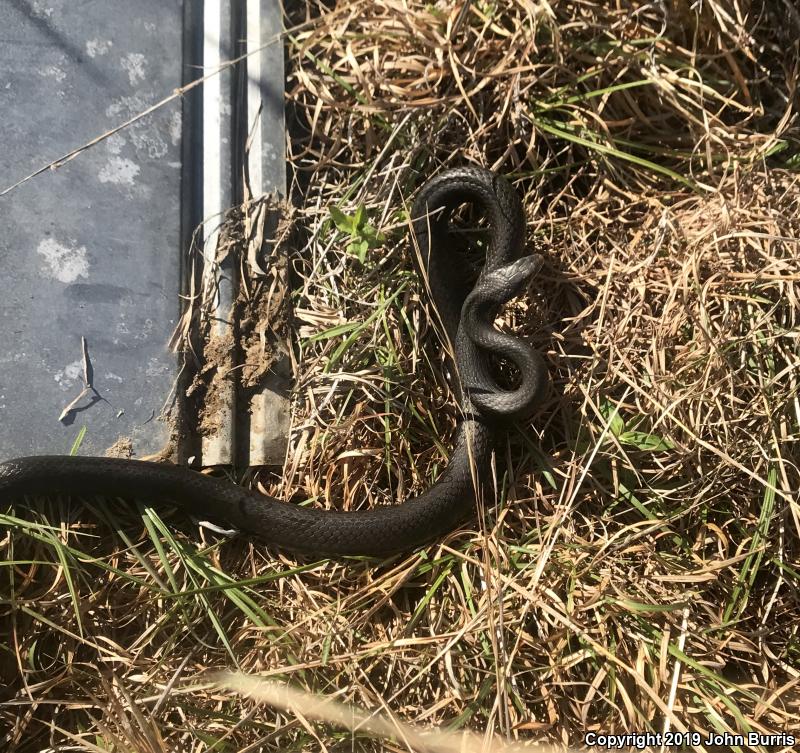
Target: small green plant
[(631, 436), (363, 235)]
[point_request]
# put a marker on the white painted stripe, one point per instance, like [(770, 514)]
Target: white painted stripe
[(212, 129), (254, 119), (217, 448)]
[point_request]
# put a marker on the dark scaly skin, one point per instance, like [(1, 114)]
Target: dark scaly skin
[(384, 530)]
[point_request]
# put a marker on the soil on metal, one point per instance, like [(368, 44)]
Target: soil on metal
[(255, 234), (218, 353), (122, 448)]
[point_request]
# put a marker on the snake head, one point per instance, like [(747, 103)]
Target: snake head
[(507, 282), (522, 270)]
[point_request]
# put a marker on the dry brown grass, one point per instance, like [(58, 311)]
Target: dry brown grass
[(640, 568)]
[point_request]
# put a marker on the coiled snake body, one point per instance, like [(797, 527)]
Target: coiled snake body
[(466, 313)]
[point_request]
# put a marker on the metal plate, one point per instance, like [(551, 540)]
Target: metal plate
[(91, 249)]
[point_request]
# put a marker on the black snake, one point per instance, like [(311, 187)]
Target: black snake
[(466, 311)]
